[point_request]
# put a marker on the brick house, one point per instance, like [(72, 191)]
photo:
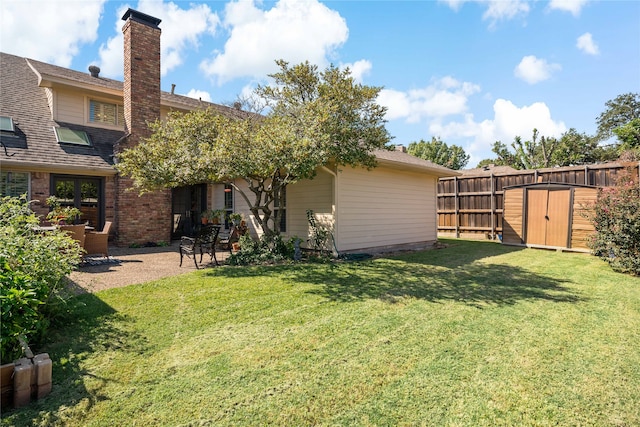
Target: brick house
[(62, 129)]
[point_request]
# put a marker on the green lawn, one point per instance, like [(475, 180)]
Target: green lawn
[(471, 335)]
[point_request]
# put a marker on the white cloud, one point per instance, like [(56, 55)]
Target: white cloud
[(508, 122), (443, 97), (295, 31), (534, 70), (199, 94), (358, 69), (572, 6), (181, 29), (586, 44), (48, 31), (504, 10), (496, 10)]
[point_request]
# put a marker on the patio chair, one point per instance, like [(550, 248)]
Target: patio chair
[(97, 242), (76, 232), (204, 242)]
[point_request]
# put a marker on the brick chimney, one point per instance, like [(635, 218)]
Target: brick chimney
[(147, 218)]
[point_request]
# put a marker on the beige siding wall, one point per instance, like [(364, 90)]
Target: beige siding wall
[(384, 207), (49, 93), (68, 106), (315, 194)]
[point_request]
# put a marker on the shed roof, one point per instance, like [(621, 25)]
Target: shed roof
[(551, 185)]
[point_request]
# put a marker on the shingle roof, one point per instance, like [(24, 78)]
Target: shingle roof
[(496, 170), (407, 161), (34, 143)]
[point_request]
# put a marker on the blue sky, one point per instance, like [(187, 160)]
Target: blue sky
[(469, 72)]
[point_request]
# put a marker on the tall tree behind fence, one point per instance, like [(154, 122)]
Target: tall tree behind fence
[(471, 205)]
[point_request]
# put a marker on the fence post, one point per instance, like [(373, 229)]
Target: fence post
[(455, 201)]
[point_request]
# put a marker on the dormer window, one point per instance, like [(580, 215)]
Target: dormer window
[(6, 124), (106, 113), (69, 136)]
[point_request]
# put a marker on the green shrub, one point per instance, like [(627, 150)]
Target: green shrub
[(263, 251), (33, 267), (616, 219)]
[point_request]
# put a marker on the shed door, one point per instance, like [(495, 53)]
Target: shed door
[(548, 217)]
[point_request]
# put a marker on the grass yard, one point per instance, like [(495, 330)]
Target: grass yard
[(477, 334)]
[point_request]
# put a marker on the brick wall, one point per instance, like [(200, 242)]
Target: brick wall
[(40, 192), (147, 218)]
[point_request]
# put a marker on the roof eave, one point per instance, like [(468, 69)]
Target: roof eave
[(49, 167), (438, 171)]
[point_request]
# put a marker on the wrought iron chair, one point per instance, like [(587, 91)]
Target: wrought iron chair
[(203, 242)]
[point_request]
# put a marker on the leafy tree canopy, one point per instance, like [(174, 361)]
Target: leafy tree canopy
[(620, 111), (453, 157), (530, 154), (629, 136), (314, 118), (572, 148)]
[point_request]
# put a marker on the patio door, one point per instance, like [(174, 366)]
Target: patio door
[(548, 214), (85, 193), (187, 206)]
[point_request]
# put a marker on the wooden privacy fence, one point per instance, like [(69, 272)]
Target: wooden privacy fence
[(472, 205)]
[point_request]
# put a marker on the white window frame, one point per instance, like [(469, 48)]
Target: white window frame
[(4, 173), (118, 115)]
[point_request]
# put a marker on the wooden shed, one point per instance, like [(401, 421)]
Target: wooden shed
[(548, 215)]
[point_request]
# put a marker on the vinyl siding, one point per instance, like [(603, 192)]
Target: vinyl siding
[(69, 107), (384, 207), (315, 194)]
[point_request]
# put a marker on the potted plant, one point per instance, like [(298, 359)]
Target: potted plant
[(214, 215), (204, 217), (60, 215), (236, 218)]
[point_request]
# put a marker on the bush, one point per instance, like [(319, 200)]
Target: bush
[(264, 251), (33, 267), (616, 219)]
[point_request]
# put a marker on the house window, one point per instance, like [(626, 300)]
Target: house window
[(6, 124), (282, 210), (107, 113), (228, 204), (69, 136), (14, 184)]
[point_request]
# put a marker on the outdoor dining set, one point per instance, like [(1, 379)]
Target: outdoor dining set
[(205, 241)]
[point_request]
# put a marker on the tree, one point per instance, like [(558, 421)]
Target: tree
[(453, 157), (629, 136), (572, 148), (579, 149), (532, 154), (620, 111), (314, 118)]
